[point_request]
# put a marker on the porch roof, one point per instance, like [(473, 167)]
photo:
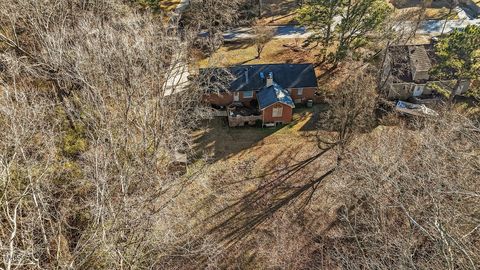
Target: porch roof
[(275, 93)]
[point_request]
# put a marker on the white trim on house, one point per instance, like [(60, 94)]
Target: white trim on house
[(277, 111), (278, 102)]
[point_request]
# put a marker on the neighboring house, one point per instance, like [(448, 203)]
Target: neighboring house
[(406, 73), (473, 5), (270, 92)]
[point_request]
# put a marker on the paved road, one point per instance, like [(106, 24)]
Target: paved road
[(434, 28), (429, 27), (283, 31), (177, 75)]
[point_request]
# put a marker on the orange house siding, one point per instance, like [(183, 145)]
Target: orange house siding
[(286, 114)]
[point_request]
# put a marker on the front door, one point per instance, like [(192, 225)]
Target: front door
[(418, 91), (236, 96)]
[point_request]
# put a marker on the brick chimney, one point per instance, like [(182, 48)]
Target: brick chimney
[(269, 79)]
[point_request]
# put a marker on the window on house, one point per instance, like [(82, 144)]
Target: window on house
[(300, 91), (277, 112), (248, 94)]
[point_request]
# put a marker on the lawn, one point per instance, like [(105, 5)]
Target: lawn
[(440, 14), (277, 12), (260, 163), (438, 10), (276, 51), (221, 142)]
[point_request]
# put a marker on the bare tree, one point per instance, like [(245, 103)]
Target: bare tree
[(262, 35), (411, 193), (89, 133), (452, 4), (212, 17), (352, 107)]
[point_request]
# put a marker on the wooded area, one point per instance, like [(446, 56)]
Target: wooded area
[(91, 135)]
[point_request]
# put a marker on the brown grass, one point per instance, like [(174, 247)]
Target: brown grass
[(278, 12), (220, 142), (430, 13), (440, 14), (276, 51), (169, 5)]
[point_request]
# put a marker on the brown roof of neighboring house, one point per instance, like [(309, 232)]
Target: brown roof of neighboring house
[(419, 58), (404, 58)]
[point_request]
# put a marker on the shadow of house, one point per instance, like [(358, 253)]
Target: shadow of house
[(220, 142)]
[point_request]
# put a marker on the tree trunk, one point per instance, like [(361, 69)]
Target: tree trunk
[(453, 93), (260, 7), (446, 19)]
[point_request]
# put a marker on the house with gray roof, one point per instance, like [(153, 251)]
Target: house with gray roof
[(270, 91)]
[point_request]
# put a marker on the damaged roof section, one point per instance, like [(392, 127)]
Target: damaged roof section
[(419, 59), (411, 63)]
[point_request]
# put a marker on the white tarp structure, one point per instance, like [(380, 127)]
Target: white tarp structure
[(414, 109)]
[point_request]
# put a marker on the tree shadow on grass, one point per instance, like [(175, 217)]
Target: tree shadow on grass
[(287, 183), (313, 122), (277, 189), (238, 44)]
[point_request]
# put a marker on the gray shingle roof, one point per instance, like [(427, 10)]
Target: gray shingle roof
[(273, 94), (248, 77)]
